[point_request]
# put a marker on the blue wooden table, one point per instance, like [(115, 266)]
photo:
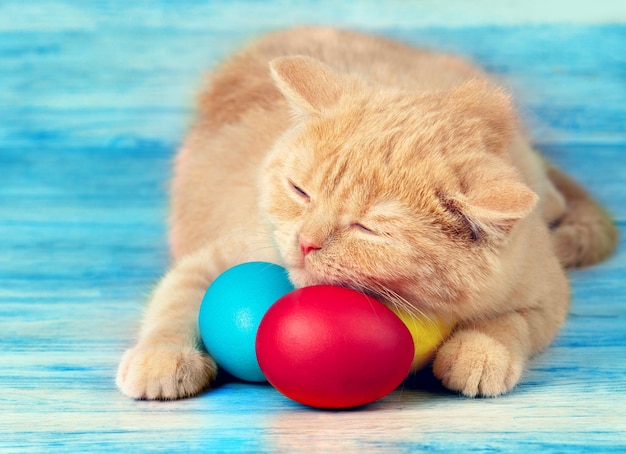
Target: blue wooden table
[(95, 97)]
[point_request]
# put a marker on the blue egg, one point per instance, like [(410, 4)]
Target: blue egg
[(231, 311)]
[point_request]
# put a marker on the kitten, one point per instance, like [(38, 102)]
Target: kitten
[(357, 161)]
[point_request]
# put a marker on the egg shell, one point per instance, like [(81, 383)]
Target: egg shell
[(332, 347), (427, 333), (231, 311)]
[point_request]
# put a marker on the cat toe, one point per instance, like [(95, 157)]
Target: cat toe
[(475, 364), (164, 372)]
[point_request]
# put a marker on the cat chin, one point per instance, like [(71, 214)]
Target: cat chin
[(303, 276), (300, 277)]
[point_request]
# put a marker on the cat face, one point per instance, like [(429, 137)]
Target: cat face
[(386, 192)]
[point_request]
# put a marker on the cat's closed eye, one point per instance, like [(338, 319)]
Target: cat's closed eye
[(299, 191), (363, 228)]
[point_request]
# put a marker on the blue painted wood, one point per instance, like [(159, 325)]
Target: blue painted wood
[(94, 97)]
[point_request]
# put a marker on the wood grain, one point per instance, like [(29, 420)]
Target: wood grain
[(94, 97)]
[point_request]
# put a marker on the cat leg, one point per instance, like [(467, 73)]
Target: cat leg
[(488, 358), (584, 234), (479, 360), (167, 361)]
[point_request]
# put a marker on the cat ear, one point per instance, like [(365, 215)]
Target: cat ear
[(492, 211), (491, 106), (308, 84)]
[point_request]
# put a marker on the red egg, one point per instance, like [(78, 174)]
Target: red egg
[(332, 347)]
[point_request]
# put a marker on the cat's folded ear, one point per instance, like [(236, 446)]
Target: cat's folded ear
[(491, 207), (308, 84)]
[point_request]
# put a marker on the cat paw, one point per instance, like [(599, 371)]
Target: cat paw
[(475, 364), (164, 372)]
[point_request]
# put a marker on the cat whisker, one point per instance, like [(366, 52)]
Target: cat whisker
[(403, 305)]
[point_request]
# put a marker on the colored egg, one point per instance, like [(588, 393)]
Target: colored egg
[(427, 334), (231, 311), (332, 347)]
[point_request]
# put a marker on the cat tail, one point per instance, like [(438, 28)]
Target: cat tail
[(586, 234)]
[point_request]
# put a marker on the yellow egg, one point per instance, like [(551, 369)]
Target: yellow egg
[(427, 334)]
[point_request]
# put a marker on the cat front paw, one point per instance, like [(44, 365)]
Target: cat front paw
[(164, 371), (476, 364)]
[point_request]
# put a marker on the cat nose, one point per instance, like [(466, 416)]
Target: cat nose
[(307, 245)]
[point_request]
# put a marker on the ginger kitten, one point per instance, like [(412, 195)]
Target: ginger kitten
[(357, 161)]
